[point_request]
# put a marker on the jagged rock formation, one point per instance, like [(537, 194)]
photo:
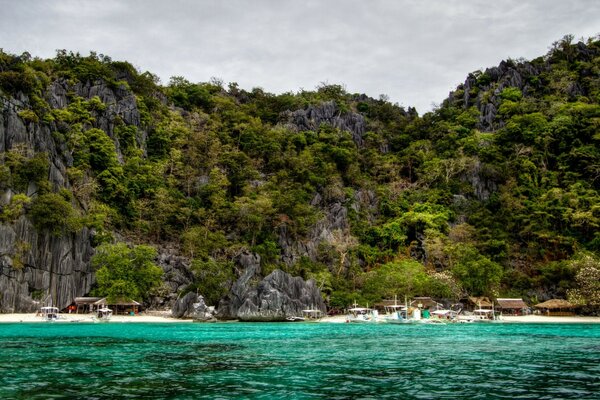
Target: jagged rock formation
[(192, 306), (506, 74), (276, 297), (311, 118), (483, 91), (49, 270), (177, 276)]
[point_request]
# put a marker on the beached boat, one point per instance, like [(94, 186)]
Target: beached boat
[(479, 315), (49, 313), (361, 315), (444, 315), (103, 314), (395, 314)]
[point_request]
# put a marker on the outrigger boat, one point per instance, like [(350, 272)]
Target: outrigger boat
[(361, 314), (103, 314), (49, 313), (395, 314), (478, 315)]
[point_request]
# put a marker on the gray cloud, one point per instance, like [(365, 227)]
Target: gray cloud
[(415, 52)]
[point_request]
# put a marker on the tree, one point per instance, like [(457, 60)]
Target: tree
[(477, 273), (342, 241), (400, 278), (124, 272), (587, 279), (212, 278), (51, 212)]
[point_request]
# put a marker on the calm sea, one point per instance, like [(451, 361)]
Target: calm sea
[(299, 360)]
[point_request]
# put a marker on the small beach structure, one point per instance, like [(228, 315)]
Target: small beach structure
[(119, 306), (425, 303), (85, 305), (312, 314), (512, 306), (478, 303), (556, 307)]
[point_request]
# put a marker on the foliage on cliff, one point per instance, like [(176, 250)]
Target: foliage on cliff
[(491, 193)]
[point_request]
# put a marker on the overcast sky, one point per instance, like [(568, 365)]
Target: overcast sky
[(413, 51)]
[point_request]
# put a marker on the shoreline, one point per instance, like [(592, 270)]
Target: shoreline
[(89, 318), (338, 319)]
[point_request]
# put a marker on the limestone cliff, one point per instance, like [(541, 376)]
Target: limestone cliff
[(274, 298), (37, 267)]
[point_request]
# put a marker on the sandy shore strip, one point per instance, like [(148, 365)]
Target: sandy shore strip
[(522, 319), (31, 317), (541, 319), (338, 319)]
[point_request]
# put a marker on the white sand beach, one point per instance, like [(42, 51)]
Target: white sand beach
[(164, 317), (537, 319), (142, 318), (524, 319)]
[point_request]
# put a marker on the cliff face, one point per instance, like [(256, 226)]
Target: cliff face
[(51, 270), (37, 267)]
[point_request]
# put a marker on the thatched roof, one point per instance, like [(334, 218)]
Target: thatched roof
[(511, 303), (387, 303), (555, 304), (426, 302), (480, 301), (121, 302), (86, 300)]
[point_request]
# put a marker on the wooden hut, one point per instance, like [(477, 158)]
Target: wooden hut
[(478, 303), (120, 306), (85, 304), (512, 306), (556, 307), (425, 302)]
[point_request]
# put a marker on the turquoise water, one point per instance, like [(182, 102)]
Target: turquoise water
[(332, 361)]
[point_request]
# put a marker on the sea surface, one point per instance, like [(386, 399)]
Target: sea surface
[(299, 360)]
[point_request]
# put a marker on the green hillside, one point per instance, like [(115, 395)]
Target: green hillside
[(495, 192)]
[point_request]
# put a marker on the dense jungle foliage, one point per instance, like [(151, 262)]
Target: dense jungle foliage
[(495, 192)]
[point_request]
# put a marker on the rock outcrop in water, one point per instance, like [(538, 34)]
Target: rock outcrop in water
[(274, 298), (192, 306)]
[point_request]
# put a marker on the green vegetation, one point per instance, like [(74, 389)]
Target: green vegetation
[(124, 272), (456, 201)]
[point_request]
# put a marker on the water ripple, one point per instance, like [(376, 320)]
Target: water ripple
[(296, 361)]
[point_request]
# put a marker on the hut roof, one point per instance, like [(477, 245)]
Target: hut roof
[(387, 303), (555, 304), (86, 300), (120, 302), (511, 303), (480, 301), (424, 301)]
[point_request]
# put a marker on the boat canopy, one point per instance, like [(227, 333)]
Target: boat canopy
[(443, 312)]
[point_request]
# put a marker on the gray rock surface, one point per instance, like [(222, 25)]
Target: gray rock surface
[(192, 306), (274, 298), (49, 270), (53, 269), (311, 118)]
